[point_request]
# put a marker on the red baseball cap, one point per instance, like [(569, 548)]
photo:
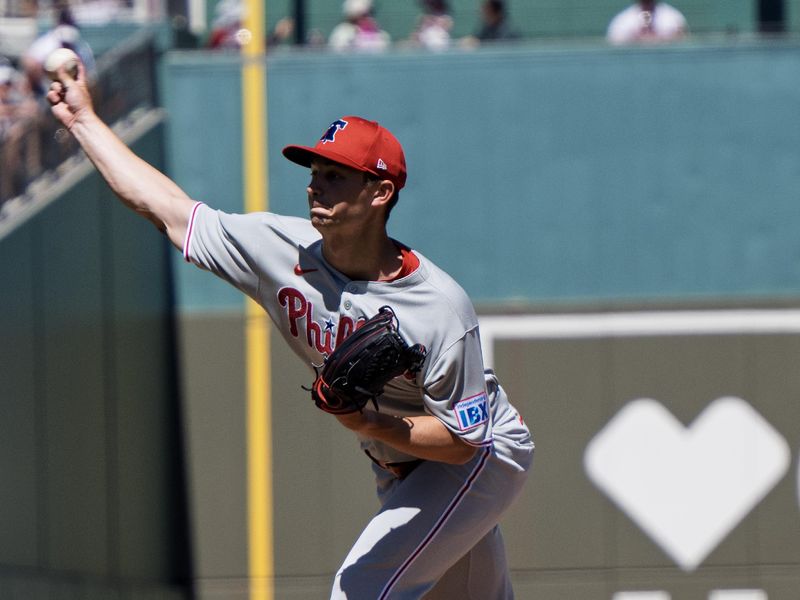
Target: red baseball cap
[(357, 143)]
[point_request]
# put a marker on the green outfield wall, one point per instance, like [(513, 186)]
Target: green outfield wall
[(538, 175), (92, 495), (793, 15)]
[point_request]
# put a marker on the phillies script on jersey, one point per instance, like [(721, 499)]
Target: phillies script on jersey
[(298, 307)]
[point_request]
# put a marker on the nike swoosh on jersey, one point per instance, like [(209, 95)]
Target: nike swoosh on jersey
[(300, 271)]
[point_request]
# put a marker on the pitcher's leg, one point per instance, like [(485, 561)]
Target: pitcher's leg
[(424, 528), (481, 573)]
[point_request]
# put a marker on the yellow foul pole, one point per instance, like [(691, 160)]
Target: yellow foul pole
[(259, 428)]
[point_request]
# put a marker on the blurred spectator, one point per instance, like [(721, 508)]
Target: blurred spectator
[(227, 28), (182, 36), (494, 26), (19, 151), (282, 33), (359, 31), (97, 12), (647, 21), (65, 34), (226, 25), (16, 99), (315, 38), (434, 26)]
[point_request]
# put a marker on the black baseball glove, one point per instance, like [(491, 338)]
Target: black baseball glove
[(359, 368)]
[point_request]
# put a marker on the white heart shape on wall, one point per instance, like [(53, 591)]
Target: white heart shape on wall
[(687, 487)]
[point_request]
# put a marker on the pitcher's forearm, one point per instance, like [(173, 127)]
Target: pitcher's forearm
[(139, 185), (423, 436)]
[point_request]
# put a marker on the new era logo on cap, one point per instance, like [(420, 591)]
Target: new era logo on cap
[(357, 143)]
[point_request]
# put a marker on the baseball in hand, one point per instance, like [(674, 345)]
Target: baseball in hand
[(58, 58)]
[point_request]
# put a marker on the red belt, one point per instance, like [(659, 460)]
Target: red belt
[(401, 470)]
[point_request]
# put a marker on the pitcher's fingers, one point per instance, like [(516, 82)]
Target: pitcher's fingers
[(81, 71), (65, 76), (54, 94)]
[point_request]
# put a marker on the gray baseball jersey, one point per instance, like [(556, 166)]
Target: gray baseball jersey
[(277, 261)]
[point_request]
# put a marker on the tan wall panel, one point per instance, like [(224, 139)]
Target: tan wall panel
[(563, 525), (565, 538), (562, 409), (324, 486), (212, 381)]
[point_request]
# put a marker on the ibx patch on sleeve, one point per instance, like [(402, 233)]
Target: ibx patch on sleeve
[(472, 411)]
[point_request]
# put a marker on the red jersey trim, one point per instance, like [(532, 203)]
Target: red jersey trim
[(410, 263), (189, 227)]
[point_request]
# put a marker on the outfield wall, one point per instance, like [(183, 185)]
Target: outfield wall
[(91, 457), (538, 175), (559, 184)]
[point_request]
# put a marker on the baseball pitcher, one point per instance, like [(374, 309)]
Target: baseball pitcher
[(391, 339)]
